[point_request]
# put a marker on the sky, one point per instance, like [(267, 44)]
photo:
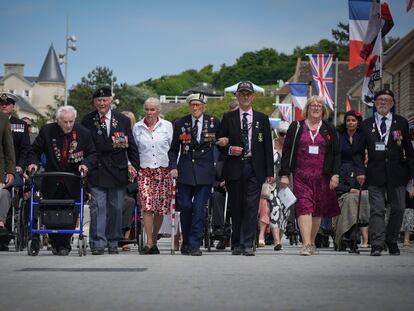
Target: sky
[(141, 39)]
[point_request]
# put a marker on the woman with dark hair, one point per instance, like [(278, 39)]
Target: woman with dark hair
[(348, 189)]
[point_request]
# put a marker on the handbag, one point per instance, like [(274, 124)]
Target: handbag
[(266, 190)]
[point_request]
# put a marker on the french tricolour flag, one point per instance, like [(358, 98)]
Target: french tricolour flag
[(298, 90), (359, 13)]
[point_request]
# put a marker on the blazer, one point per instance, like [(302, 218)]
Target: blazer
[(21, 141), (7, 158), (196, 159), (113, 151), (332, 162), (395, 165), (261, 146), (81, 151)]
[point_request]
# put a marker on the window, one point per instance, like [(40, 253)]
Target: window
[(12, 91), (26, 93)]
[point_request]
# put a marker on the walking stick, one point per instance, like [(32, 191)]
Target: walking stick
[(354, 249), (174, 188)]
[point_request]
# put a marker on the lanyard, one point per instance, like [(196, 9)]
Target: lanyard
[(313, 136), (383, 136)]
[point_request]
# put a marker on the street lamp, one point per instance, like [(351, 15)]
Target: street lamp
[(63, 57)]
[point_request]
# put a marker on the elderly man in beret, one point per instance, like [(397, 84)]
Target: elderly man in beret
[(7, 170), (194, 138), (21, 143), (390, 165), (117, 161)]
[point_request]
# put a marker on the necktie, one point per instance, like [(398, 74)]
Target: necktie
[(194, 130), (245, 133), (103, 119), (383, 128), (64, 151)]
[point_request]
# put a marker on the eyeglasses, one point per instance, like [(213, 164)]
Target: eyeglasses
[(5, 103), (282, 134), (315, 106), (384, 99), (196, 105)]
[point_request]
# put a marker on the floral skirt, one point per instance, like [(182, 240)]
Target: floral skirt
[(154, 190), (408, 220)]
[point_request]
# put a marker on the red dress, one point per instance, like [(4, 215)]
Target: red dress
[(310, 186)]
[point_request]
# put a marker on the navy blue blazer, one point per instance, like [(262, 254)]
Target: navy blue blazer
[(113, 152), (395, 165), (261, 146), (196, 160)]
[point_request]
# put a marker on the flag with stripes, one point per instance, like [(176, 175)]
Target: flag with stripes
[(322, 73), (286, 112)]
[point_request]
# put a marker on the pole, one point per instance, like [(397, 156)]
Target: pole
[(66, 60), (336, 90)]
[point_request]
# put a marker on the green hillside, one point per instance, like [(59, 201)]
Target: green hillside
[(218, 107)]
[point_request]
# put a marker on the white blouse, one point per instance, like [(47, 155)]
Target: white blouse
[(153, 145)]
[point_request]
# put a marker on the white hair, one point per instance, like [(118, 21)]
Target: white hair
[(63, 109), (155, 101)]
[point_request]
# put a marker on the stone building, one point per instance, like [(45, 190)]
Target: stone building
[(36, 95)]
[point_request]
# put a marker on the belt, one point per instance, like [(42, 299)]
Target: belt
[(247, 159)]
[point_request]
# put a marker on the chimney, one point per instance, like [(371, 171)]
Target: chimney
[(14, 68)]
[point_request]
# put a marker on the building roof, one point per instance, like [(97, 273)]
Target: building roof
[(346, 78), (50, 71), (24, 105), (398, 46)]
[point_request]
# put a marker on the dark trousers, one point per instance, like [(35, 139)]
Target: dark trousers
[(378, 199), (192, 201), (244, 196)]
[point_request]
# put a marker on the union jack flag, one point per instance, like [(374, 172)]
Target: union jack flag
[(321, 65), (286, 111)]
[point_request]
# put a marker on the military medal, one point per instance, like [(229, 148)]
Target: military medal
[(257, 124), (260, 137), (211, 122), (99, 132)]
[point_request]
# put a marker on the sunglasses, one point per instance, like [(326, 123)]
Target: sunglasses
[(282, 134)]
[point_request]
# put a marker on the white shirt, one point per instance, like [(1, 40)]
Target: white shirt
[(249, 124), (378, 121), (199, 125), (153, 145)]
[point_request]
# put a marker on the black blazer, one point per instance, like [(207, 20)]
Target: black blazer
[(50, 141), (332, 162), (196, 163), (21, 141), (112, 165), (261, 146), (395, 165)]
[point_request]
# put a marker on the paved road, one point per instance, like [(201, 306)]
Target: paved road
[(216, 281)]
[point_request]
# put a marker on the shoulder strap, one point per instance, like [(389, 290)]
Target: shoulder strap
[(294, 143)]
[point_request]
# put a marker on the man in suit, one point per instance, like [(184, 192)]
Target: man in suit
[(390, 165), (248, 163), (117, 160), (21, 142), (68, 147), (7, 171), (194, 139)]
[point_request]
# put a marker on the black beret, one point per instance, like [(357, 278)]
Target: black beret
[(5, 98), (384, 92), (104, 91)]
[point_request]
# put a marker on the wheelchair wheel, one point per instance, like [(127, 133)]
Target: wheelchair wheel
[(33, 247), (84, 246)]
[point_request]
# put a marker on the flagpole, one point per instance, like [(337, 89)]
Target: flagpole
[(336, 88)]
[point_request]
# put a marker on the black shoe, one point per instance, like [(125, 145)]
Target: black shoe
[(145, 250), (221, 245), (238, 250), (185, 250), (98, 251), (249, 252), (154, 250), (63, 252), (4, 248), (278, 247), (393, 249), (196, 252), (54, 251), (113, 250), (376, 250), (218, 232)]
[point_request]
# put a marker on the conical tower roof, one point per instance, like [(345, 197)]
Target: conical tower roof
[(51, 70)]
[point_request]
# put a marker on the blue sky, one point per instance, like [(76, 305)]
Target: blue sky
[(139, 40)]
